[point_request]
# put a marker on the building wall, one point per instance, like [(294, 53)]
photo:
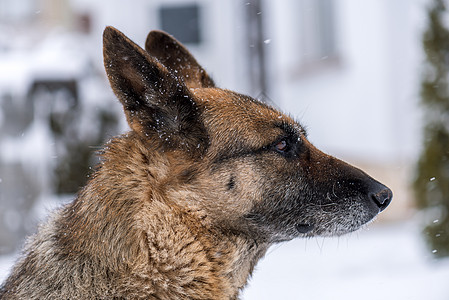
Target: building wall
[(359, 105)]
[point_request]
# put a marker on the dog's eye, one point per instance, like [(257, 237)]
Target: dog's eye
[(282, 146)]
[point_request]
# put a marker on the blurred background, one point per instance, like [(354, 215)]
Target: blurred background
[(369, 79)]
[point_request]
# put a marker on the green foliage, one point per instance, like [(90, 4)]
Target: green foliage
[(432, 181)]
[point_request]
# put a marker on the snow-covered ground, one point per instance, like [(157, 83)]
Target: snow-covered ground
[(387, 262)]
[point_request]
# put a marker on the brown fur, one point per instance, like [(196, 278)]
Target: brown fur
[(185, 204)]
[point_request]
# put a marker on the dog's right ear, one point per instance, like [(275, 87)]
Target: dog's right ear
[(156, 103), (177, 59)]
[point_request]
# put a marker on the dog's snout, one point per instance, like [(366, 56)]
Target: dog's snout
[(381, 196)]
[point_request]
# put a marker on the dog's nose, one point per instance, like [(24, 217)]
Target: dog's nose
[(381, 197)]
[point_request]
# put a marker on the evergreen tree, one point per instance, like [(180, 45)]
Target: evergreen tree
[(432, 181)]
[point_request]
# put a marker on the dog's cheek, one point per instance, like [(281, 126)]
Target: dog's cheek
[(234, 188), (282, 194)]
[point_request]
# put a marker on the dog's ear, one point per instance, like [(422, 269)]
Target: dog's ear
[(156, 103), (177, 59)]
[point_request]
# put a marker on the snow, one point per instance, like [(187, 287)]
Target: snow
[(5, 265), (384, 262)]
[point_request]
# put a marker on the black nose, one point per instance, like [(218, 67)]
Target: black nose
[(381, 197)]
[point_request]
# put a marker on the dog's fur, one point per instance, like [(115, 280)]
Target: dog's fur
[(185, 204)]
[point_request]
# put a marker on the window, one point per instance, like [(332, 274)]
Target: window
[(183, 22)]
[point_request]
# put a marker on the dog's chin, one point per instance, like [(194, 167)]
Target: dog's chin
[(338, 228), (320, 229), (327, 222)]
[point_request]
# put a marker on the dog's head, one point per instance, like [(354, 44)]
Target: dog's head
[(236, 163)]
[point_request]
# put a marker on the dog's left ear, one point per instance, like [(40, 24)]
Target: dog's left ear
[(177, 59), (157, 104)]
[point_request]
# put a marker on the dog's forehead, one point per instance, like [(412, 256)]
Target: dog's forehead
[(231, 114)]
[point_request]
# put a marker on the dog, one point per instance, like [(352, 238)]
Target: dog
[(185, 204)]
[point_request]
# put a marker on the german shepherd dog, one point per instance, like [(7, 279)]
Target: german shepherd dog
[(185, 204)]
